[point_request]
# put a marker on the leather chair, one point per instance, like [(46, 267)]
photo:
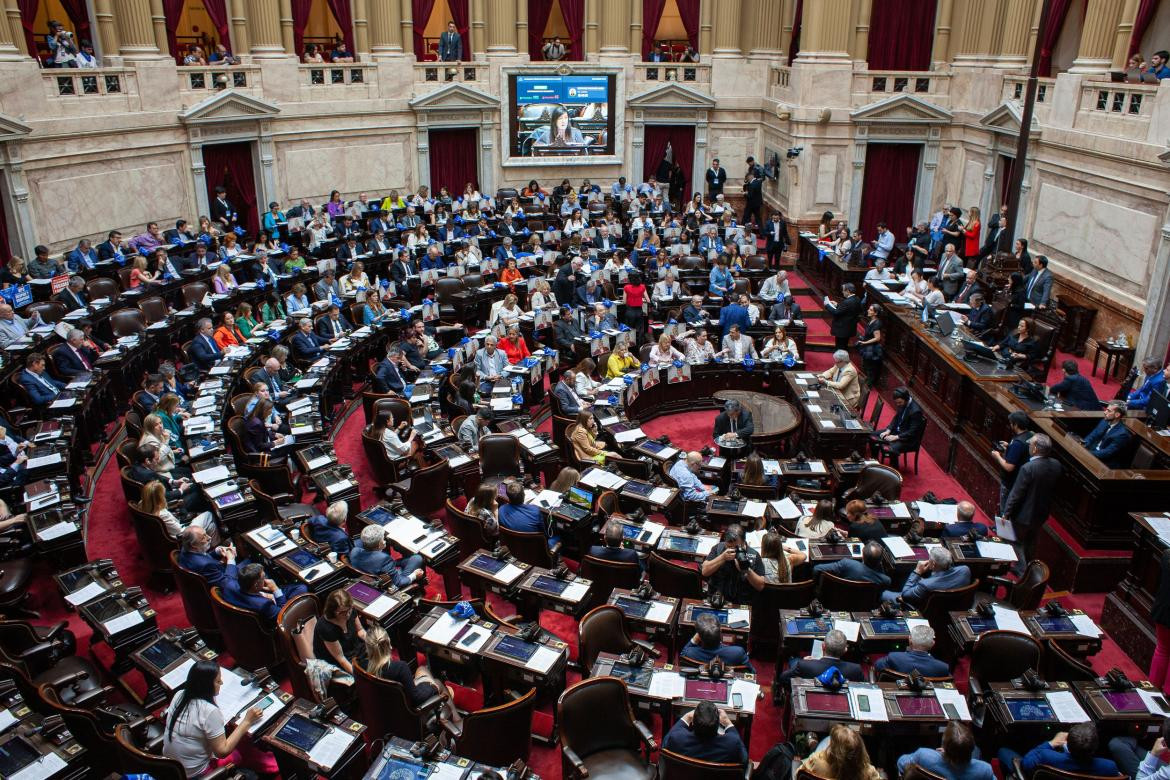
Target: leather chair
[(385, 472), (275, 479), (1059, 665), (133, 758), (607, 504), (940, 603), (765, 630), (468, 529), (889, 675), (154, 542), (386, 710), (51, 312), (133, 423), (369, 399), (675, 766), (193, 293), (999, 656), (235, 436), (396, 408), (531, 547), (196, 597), (446, 288), (759, 492), (630, 467), (1028, 591), (607, 575), (271, 510), (102, 287), (603, 630), (876, 413), (674, 579), (499, 457), (127, 322), (245, 634), (496, 736), (425, 491), (154, 309), (94, 727), (37, 647), (876, 479), (613, 746), (294, 630), (1045, 772), (131, 488), (75, 679), (560, 430), (239, 403), (124, 277), (838, 593)]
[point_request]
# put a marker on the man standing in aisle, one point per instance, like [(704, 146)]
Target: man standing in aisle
[(716, 177)]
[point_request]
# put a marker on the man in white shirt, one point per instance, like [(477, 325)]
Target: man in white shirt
[(879, 272), (775, 287), (667, 289), (884, 244)]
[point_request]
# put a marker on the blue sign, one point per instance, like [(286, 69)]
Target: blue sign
[(562, 89)]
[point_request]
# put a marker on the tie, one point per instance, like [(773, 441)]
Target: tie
[(212, 344), (51, 388), (838, 379), (80, 356), (336, 328)]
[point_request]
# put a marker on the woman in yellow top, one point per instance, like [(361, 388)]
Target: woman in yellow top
[(583, 436), (393, 201), (620, 362)]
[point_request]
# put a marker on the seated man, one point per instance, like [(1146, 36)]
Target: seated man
[(1136, 761), (612, 549), (981, 318), (916, 657), (473, 427), (566, 394), (519, 516), (685, 474), (1075, 390), (74, 358), (707, 645), (698, 735), (868, 569), (254, 591), (329, 528), (835, 648), (955, 760), (387, 376), (734, 419), (42, 389), (306, 345), (205, 352), (842, 377), (734, 569), (1110, 440), (938, 572), (904, 433), (216, 567), (964, 522), (1074, 750), (144, 469), (369, 555), (1154, 381)]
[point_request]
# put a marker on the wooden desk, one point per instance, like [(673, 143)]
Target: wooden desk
[(919, 714), (1022, 718), (655, 617), (798, 630), (165, 661), (735, 620), (410, 535), (967, 626), (569, 596), (442, 764), (1137, 713), (826, 433), (335, 728), (1126, 615)]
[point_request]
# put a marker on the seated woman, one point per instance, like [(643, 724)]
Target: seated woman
[(778, 345), (169, 411), (140, 274), (297, 300), (514, 345), (663, 353), (699, 348), (753, 472), (400, 441), (339, 636), (354, 280), (485, 505), (583, 436), (373, 311), (565, 479), (228, 249), (258, 437), (227, 334), (779, 557), (508, 313), (584, 385), (1020, 346), (419, 686), (819, 523), (154, 432), (510, 274), (224, 281), (842, 756), (154, 502), (244, 319), (542, 296), (620, 362), (862, 524)]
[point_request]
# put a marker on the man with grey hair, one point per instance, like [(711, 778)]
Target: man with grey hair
[(204, 351), (938, 572), (1154, 382), (685, 474), (835, 647), (216, 566), (735, 419), (73, 296), (842, 377), (270, 376), (13, 326), (369, 555), (74, 359), (1027, 506), (490, 363), (916, 657), (329, 528)]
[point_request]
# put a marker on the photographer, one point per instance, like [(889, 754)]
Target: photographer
[(734, 569), (62, 48)]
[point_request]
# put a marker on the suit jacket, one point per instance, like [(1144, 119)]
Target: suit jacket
[(78, 261), (324, 532), (274, 384), (585, 298), (725, 748), (909, 424), (618, 554), (951, 274), (325, 326), (734, 314), (745, 426), (1077, 391), (570, 406), (810, 668), (732, 655), (399, 271), (716, 180), (67, 362), (72, 301), (966, 291), (256, 437), (981, 320), (1032, 491), (907, 661), (40, 395), (782, 310), (1140, 398), (917, 587), (1038, 286), (450, 47), (1110, 443), (345, 255), (387, 378), (222, 211), (306, 346), (849, 386), (845, 317), (267, 608), (770, 239), (205, 352), (209, 566), (106, 250), (754, 191), (564, 332), (853, 569)]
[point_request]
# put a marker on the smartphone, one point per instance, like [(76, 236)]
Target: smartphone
[(952, 712), (1161, 702), (738, 624), (737, 700), (863, 703), (471, 637)]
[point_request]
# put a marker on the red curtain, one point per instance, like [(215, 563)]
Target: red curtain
[(454, 157), (538, 13), (230, 166), (901, 34), (343, 13), (461, 15), (217, 10), (79, 15), (651, 16), (1057, 13), (28, 17), (300, 14), (794, 42), (891, 174), (689, 11), (421, 13), (1141, 23), (574, 13), (681, 139), (172, 10), (1006, 167)]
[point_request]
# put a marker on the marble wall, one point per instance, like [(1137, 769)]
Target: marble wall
[(311, 168)]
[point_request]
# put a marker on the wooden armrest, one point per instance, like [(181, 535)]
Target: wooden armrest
[(402, 487), (649, 647), (579, 768), (283, 499), (998, 582), (647, 737)]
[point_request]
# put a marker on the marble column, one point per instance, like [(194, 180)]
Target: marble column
[(861, 31), (135, 30), (727, 29), (288, 36), (158, 20), (592, 42), (8, 48), (787, 19), (941, 53), (385, 19), (1098, 35), (522, 30), (1155, 331), (264, 29), (635, 28), (239, 22), (501, 27), (824, 32), (1124, 32), (406, 28), (765, 20), (12, 12), (972, 44), (361, 29), (1013, 44), (107, 31), (616, 36), (705, 35), (478, 32)]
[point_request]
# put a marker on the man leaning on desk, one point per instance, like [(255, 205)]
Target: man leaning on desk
[(707, 645), (809, 668), (1110, 440), (868, 569)]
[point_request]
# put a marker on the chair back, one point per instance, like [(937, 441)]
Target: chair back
[(1059, 665), (154, 541), (601, 630), (531, 547), (275, 480), (239, 403), (940, 603), (630, 467), (583, 731), (1045, 772), (294, 629), (369, 398), (193, 293), (127, 322), (396, 407), (499, 456), (1000, 656), (196, 597), (384, 471), (838, 593), (890, 675), (85, 727), (385, 708), (607, 575), (428, 489), (675, 766), (759, 492), (765, 630), (497, 736), (876, 414), (671, 578), (467, 528), (131, 488), (235, 433), (1028, 591), (875, 479), (915, 772), (245, 634), (153, 308), (133, 758), (102, 287), (607, 504), (50, 311), (133, 421)]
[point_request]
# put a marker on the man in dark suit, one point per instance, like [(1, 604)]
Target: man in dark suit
[(997, 238), (402, 268), (938, 572), (707, 645), (1110, 440), (387, 377), (734, 419), (565, 283), (82, 258), (697, 735), (42, 389), (835, 648), (1029, 501), (845, 316), (785, 308), (278, 391), (904, 433), (776, 238), (333, 325), (612, 550), (450, 44), (216, 567), (916, 657), (981, 318), (73, 296), (255, 592), (179, 234), (694, 313), (567, 396), (588, 294), (1075, 390), (329, 528), (968, 288), (222, 210), (735, 313), (144, 470), (716, 178), (74, 357), (1038, 285), (204, 351), (868, 569), (111, 247), (348, 252), (565, 331), (306, 345), (753, 191)]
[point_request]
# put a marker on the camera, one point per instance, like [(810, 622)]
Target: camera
[(743, 558), (794, 151)]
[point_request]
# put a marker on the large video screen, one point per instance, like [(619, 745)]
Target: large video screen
[(562, 116)]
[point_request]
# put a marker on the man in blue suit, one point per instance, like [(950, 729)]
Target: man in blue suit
[(567, 395), (329, 528), (696, 735), (74, 358), (73, 296), (519, 516), (710, 241), (334, 325), (1038, 285), (1110, 440), (82, 258), (505, 251), (1076, 390), (707, 645), (255, 592), (216, 567), (450, 44), (387, 377), (306, 344), (868, 569), (369, 555), (612, 550), (204, 351), (916, 656), (1155, 381), (41, 387), (270, 376), (938, 572), (735, 314)]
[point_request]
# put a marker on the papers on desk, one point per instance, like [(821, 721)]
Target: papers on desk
[(549, 499), (1149, 698), (507, 575), (1065, 706), (444, 629), (814, 409), (898, 547), (851, 629), (409, 533), (900, 510), (56, 531), (867, 702), (124, 621), (220, 370), (755, 540), (912, 623), (271, 541), (596, 477), (331, 747), (659, 612), (827, 423), (1085, 625), (1161, 526), (938, 513), (754, 508), (308, 383), (531, 442), (749, 691), (542, 660), (177, 676), (380, 606), (220, 489), (817, 467), (955, 698), (234, 695), (212, 475), (315, 572), (86, 594), (667, 685), (61, 403), (659, 495), (1010, 620), (655, 530), (340, 485), (998, 550), (575, 591), (46, 766), (786, 509), (716, 463), (632, 435), (6, 720), (502, 404)]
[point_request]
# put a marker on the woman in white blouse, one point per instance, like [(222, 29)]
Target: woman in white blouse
[(737, 346), (153, 432), (356, 278), (508, 313), (663, 353), (419, 237), (584, 385), (319, 232), (699, 348), (618, 262), (779, 345), (542, 297), (575, 223)]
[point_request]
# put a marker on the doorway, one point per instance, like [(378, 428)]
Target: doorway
[(891, 180), (663, 146), (454, 158), (230, 166)]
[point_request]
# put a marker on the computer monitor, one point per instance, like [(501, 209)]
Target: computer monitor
[(1158, 411), (946, 323), (979, 349)]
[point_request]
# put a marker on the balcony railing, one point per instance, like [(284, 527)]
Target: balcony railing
[(1125, 100), (71, 82), (341, 74), (197, 78), (780, 82), (438, 73), (871, 85), (1014, 88), (682, 72)]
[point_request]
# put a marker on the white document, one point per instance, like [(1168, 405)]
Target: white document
[(46, 766), (754, 508), (55, 531), (337, 487), (867, 702), (1005, 530), (380, 606), (508, 574), (659, 495), (748, 691), (814, 409), (849, 628), (772, 468), (954, 697), (736, 615), (667, 685), (716, 463), (1066, 707), (1161, 526), (898, 547), (1148, 698), (655, 530), (1085, 625), (632, 435), (212, 475), (575, 591), (944, 514), (818, 466), (997, 550), (177, 676), (6, 720), (443, 630), (233, 695), (786, 509), (900, 510), (275, 705), (1010, 620), (44, 460), (215, 491), (124, 621), (755, 539), (659, 612), (911, 623), (330, 747), (542, 660), (502, 404), (827, 423)]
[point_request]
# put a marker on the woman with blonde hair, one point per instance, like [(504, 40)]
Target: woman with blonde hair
[(971, 233), (620, 362), (567, 477), (419, 686), (663, 353), (155, 432), (583, 382), (842, 756), (224, 280), (154, 502), (583, 436)]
